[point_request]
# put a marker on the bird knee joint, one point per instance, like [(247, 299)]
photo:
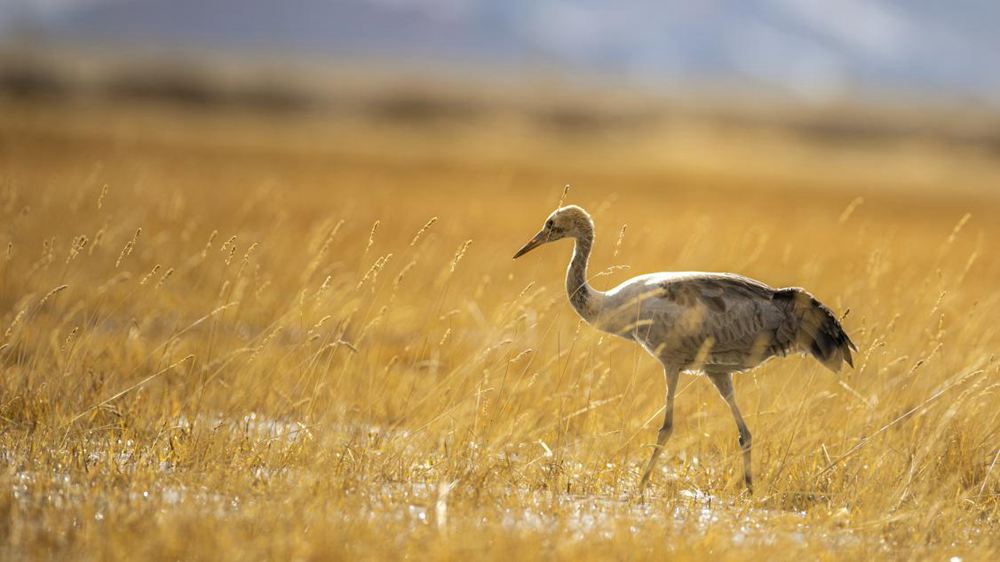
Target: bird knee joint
[(745, 439)]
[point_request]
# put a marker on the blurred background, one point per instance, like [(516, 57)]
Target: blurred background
[(724, 55), (858, 96), (808, 51)]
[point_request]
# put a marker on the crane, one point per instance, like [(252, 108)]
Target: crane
[(711, 323)]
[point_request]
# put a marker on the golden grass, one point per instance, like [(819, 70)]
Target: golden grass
[(294, 341)]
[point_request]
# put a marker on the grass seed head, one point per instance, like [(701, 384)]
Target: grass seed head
[(459, 254), (423, 230)]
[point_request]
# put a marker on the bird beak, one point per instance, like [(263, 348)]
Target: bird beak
[(539, 239)]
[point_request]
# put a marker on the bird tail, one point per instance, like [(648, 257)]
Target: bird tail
[(817, 330)]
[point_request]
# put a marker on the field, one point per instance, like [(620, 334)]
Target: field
[(225, 336)]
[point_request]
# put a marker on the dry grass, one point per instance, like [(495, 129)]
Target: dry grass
[(258, 342)]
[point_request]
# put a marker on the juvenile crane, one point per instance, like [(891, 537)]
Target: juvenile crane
[(713, 323)]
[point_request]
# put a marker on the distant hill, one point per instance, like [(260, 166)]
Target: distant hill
[(806, 48)]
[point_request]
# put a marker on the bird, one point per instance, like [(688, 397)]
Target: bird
[(715, 324)]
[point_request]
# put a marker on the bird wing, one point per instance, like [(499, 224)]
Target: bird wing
[(725, 318)]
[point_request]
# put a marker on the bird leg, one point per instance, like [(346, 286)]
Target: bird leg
[(724, 382), (668, 425)]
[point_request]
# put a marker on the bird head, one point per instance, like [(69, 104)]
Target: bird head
[(565, 222)]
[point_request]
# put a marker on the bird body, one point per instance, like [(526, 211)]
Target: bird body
[(717, 321), (714, 323)]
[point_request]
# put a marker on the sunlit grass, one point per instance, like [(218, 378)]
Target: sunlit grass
[(252, 351)]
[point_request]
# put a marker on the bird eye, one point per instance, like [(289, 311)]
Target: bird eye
[(548, 223)]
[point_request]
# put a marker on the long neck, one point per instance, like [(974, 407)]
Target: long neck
[(581, 295)]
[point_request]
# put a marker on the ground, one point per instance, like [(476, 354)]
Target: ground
[(227, 336)]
